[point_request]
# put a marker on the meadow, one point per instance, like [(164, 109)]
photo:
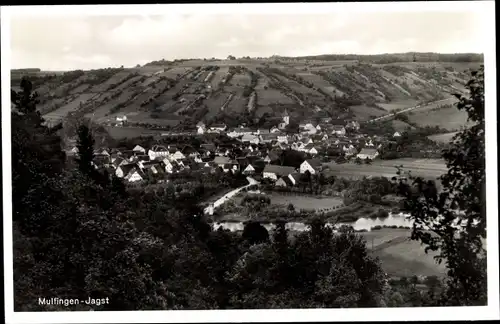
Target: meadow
[(428, 168), (442, 138), (305, 202), (400, 256)]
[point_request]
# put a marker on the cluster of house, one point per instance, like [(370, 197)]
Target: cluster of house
[(140, 164), (312, 138), (257, 152)]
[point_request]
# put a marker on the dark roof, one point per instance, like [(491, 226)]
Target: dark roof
[(142, 157), (158, 148), (279, 169), (222, 160), (188, 149), (128, 153), (368, 151), (126, 168), (273, 155), (210, 146), (295, 176), (269, 137), (243, 161)]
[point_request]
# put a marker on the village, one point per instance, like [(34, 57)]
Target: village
[(253, 152)]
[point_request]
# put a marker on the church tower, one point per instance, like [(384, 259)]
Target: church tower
[(286, 117)]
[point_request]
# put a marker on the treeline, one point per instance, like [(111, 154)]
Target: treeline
[(399, 57)]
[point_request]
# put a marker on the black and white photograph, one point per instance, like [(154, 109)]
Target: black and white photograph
[(290, 161)]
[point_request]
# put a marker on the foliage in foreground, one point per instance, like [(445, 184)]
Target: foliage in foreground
[(453, 221)]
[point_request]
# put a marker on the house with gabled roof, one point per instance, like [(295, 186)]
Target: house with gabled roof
[(249, 138), (314, 166), (338, 130), (271, 157), (139, 148), (294, 178), (284, 182), (272, 171), (158, 151), (217, 128), (124, 169), (283, 138), (248, 170), (178, 155), (262, 131), (367, 153), (135, 175), (311, 149), (268, 138)]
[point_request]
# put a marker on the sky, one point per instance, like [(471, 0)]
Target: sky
[(59, 43)]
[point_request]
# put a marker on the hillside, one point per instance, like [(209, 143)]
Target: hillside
[(165, 94)]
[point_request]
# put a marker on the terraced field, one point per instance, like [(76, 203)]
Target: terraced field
[(447, 118), (304, 87)]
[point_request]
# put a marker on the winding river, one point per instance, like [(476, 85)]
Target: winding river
[(361, 224)]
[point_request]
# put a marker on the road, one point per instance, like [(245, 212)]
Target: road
[(230, 194), (405, 110)]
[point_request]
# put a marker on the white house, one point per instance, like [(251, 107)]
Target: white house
[(218, 128), (250, 138), (338, 130), (121, 120), (318, 127), (178, 155), (282, 138), (240, 132), (158, 151), (274, 129), (123, 170), (310, 129), (273, 172), (367, 153), (312, 165), (139, 148), (353, 125), (169, 167), (135, 175), (201, 129), (249, 170), (312, 151), (286, 121), (396, 134)]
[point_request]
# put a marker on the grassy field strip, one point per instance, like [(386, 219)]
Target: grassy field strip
[(443, 138), (304, 202)]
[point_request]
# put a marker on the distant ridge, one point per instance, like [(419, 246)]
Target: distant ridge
[(392, 58)]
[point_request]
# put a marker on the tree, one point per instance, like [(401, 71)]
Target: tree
[(358, 160), (255, 233), (292, 128), (37, 161), (85, 145), (457, 216)]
